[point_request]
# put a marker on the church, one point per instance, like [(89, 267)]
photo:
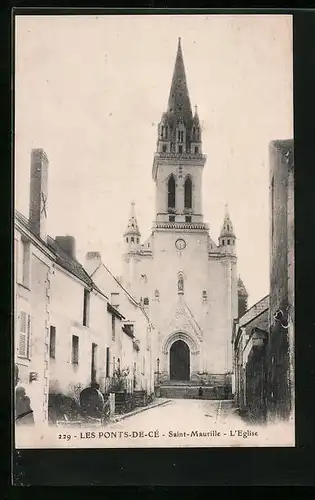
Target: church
[(185, 280)]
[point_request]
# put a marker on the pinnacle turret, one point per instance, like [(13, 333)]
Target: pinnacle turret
[(132, 230), (241, 290), (227, 236), (242, 296), (227, 227)]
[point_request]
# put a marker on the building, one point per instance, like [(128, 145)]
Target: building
[(186, 281), (132, 345), (280, 353), (61, 329), (249, 338), (68, 332)]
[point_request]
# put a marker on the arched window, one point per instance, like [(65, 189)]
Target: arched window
[(188, 193), (171, 192)]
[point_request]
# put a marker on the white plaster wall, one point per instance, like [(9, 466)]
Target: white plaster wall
[(67, 317), (34, 301)]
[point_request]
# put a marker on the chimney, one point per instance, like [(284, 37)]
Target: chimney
[(92, 261), (67, 244), (38, 193)]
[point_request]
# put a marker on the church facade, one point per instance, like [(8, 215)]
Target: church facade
[(186, 281)]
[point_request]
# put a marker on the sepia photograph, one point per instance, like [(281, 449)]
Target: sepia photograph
[(153, 231)]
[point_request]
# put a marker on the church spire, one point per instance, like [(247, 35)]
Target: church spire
[(179, 102)]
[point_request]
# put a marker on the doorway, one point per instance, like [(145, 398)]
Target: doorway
[(179, 361)]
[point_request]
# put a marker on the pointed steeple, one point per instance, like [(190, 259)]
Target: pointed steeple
[(196, 116), (227, 237), (179, 102), (132, 228), (227, 228)]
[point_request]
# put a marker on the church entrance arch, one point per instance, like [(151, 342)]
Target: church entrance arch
[(179, 361)]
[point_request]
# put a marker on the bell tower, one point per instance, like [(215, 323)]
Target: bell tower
[(178, 161)]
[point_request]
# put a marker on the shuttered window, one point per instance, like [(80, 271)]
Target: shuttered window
[(25, 327)]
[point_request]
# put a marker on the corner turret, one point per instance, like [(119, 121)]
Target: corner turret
[(227, 239), (242, 297), (132, 233)]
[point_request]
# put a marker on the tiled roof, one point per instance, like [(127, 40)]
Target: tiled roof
[(61, 257), (254, 311), (69, 263)]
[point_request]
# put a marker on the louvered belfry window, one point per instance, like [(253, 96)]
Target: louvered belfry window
[(25, 326)]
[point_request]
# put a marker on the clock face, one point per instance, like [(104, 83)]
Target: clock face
[(180, 244)]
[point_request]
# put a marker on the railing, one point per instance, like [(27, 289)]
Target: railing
[(181, 225), (112, 384)]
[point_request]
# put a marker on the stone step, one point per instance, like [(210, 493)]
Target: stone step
[(192, 392)]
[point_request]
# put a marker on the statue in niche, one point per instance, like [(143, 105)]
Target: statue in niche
[(181, 284)]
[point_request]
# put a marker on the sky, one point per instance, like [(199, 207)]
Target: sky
[(90, 91)]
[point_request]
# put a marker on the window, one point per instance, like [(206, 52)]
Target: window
[(157, 293), (52, 342), (113, 328), (146, 301), (26, 252), (171, 192), (86, 307), (180, 149), (127, 239), (196, 150), (75, 350), (114, 364), (171, 218), (223, 242), (204, 295), (188, 193), (188, 218), (137, 240), (228, 242), (164, 148), (107, 361), (132, 239), (25, 329)]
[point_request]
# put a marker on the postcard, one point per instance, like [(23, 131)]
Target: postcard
[(153, 231)]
